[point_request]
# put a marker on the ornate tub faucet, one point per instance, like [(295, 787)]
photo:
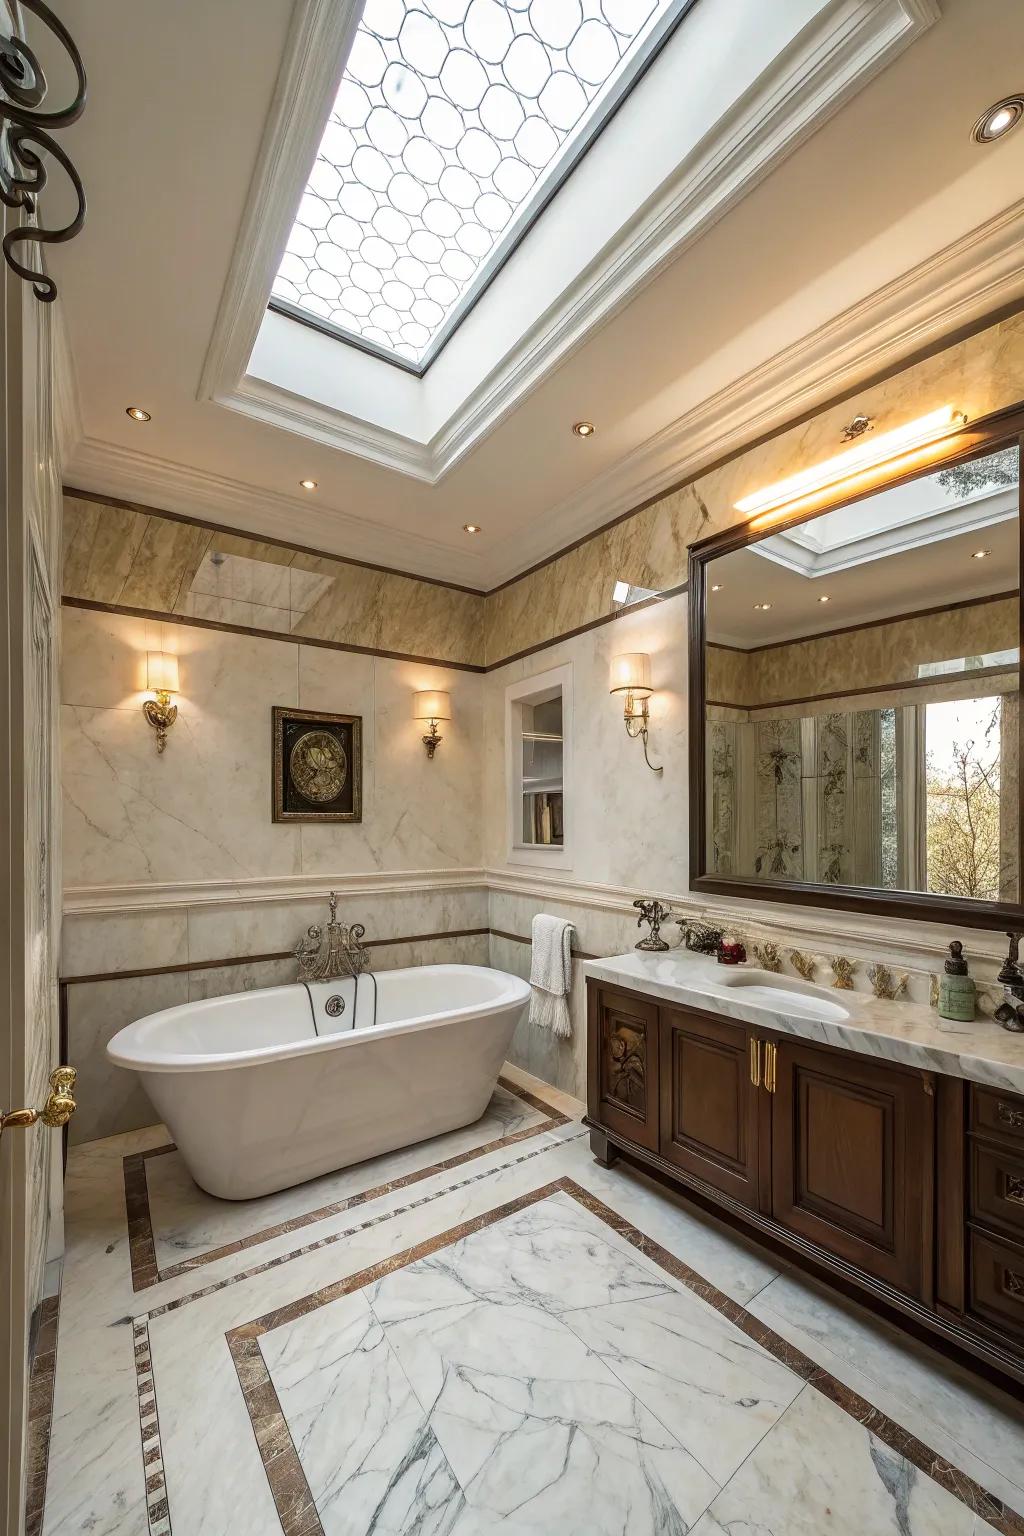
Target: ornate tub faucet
[(324, 954)]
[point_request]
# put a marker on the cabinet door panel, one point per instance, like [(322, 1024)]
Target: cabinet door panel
[(709, 1104), (623, 1065), (852, 1150)]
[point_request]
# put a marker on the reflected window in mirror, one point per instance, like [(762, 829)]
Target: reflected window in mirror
[(861, 687)]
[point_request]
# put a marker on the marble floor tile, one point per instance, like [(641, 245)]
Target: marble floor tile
[(972, 1423), (711, 1386), (364, 1441), (820, 1471)]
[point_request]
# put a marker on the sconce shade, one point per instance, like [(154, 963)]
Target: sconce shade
[(631, 673), (161, 672), (432, 704)]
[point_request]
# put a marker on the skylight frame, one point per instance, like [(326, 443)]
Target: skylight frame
[(520, 225)]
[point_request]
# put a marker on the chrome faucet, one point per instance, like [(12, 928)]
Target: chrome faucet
[(324, 954)]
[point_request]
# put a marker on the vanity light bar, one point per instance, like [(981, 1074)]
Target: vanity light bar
[(904, 443)]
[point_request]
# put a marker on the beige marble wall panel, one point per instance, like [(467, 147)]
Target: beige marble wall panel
[(980, 375), (142, 560)]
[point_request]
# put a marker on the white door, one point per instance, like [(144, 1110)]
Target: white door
[(29, 609)]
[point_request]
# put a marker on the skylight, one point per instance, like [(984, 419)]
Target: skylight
[(454, 123)]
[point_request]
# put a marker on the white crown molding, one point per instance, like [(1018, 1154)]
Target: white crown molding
[(958, 286), (973, 277), (832, 59), (108, 469), (318, 44), (95, 900)]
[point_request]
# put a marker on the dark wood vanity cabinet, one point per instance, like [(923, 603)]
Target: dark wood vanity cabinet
[(908, 1186), (622, 1074), (852, 1155), (710, 1110)]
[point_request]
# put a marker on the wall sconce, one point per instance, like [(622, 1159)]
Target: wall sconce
[(631, 675), (897, 450), (161, 679), (432, 705)]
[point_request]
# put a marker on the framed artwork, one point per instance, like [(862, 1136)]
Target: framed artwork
[(317, 766)]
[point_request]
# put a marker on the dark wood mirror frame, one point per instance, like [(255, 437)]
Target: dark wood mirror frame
[(975, 440)]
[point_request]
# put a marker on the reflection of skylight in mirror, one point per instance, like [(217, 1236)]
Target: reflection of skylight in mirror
[(453, 123)]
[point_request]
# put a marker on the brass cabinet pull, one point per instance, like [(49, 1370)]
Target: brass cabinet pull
[(1009, 1114), (57, 1110), (770, 1065), (1013, 1188), (755, 1063)]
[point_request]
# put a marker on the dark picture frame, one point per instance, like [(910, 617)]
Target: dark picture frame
[(316, 766), (979, 438)]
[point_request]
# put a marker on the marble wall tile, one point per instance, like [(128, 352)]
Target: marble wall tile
[(222, 980), (123, 941), (109, 1098)]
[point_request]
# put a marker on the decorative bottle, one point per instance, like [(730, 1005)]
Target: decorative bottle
[(956, 988)]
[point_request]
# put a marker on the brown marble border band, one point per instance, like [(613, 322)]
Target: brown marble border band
[(145, 1268), (278, 954), (287, 1480), (40, 1411)]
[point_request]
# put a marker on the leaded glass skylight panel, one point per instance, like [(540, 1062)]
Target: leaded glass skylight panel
[(454, 122)]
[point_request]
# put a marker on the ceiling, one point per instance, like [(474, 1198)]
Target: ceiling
[(180, 98)]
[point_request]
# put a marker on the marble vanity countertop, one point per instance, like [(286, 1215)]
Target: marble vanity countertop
[(903, 1032)]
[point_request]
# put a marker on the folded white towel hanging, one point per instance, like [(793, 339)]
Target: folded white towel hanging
[(551, 974)]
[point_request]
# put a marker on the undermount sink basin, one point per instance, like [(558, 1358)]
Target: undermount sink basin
[(776, 991)]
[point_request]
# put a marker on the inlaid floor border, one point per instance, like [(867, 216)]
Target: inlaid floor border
[(287, 1480), (40, 1412), (145, 1268)]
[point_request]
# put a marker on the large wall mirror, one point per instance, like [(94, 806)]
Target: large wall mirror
[(856, 728)]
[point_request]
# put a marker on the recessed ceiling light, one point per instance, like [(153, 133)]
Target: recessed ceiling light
[(997, 121), (762, 607), (824, 598), (137, 413), (471, 527), (308, 485), (584, 428), (981, 554), (717, 587), (620, 592)]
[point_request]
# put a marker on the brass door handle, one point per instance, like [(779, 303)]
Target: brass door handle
[(57, 1110), (770, 1065), (755, 1063)]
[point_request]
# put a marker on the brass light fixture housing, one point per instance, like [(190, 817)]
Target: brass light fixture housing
[(162, 679), (308, 485), (631, 676), (584, 428), (471, 527), (431, 705), (137, 413)]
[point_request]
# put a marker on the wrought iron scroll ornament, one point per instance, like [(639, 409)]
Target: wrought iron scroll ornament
[(25, 136)]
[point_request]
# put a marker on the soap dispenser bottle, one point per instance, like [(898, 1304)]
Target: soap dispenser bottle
[(956, 989)]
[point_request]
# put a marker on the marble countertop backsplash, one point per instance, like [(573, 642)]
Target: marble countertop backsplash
[(908, 1033)]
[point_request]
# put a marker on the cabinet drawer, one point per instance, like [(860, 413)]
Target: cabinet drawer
[(997, 1186), (996, 1276), (997, 1114)]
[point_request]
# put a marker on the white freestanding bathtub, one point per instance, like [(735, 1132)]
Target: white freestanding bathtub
[(261, 1090)]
